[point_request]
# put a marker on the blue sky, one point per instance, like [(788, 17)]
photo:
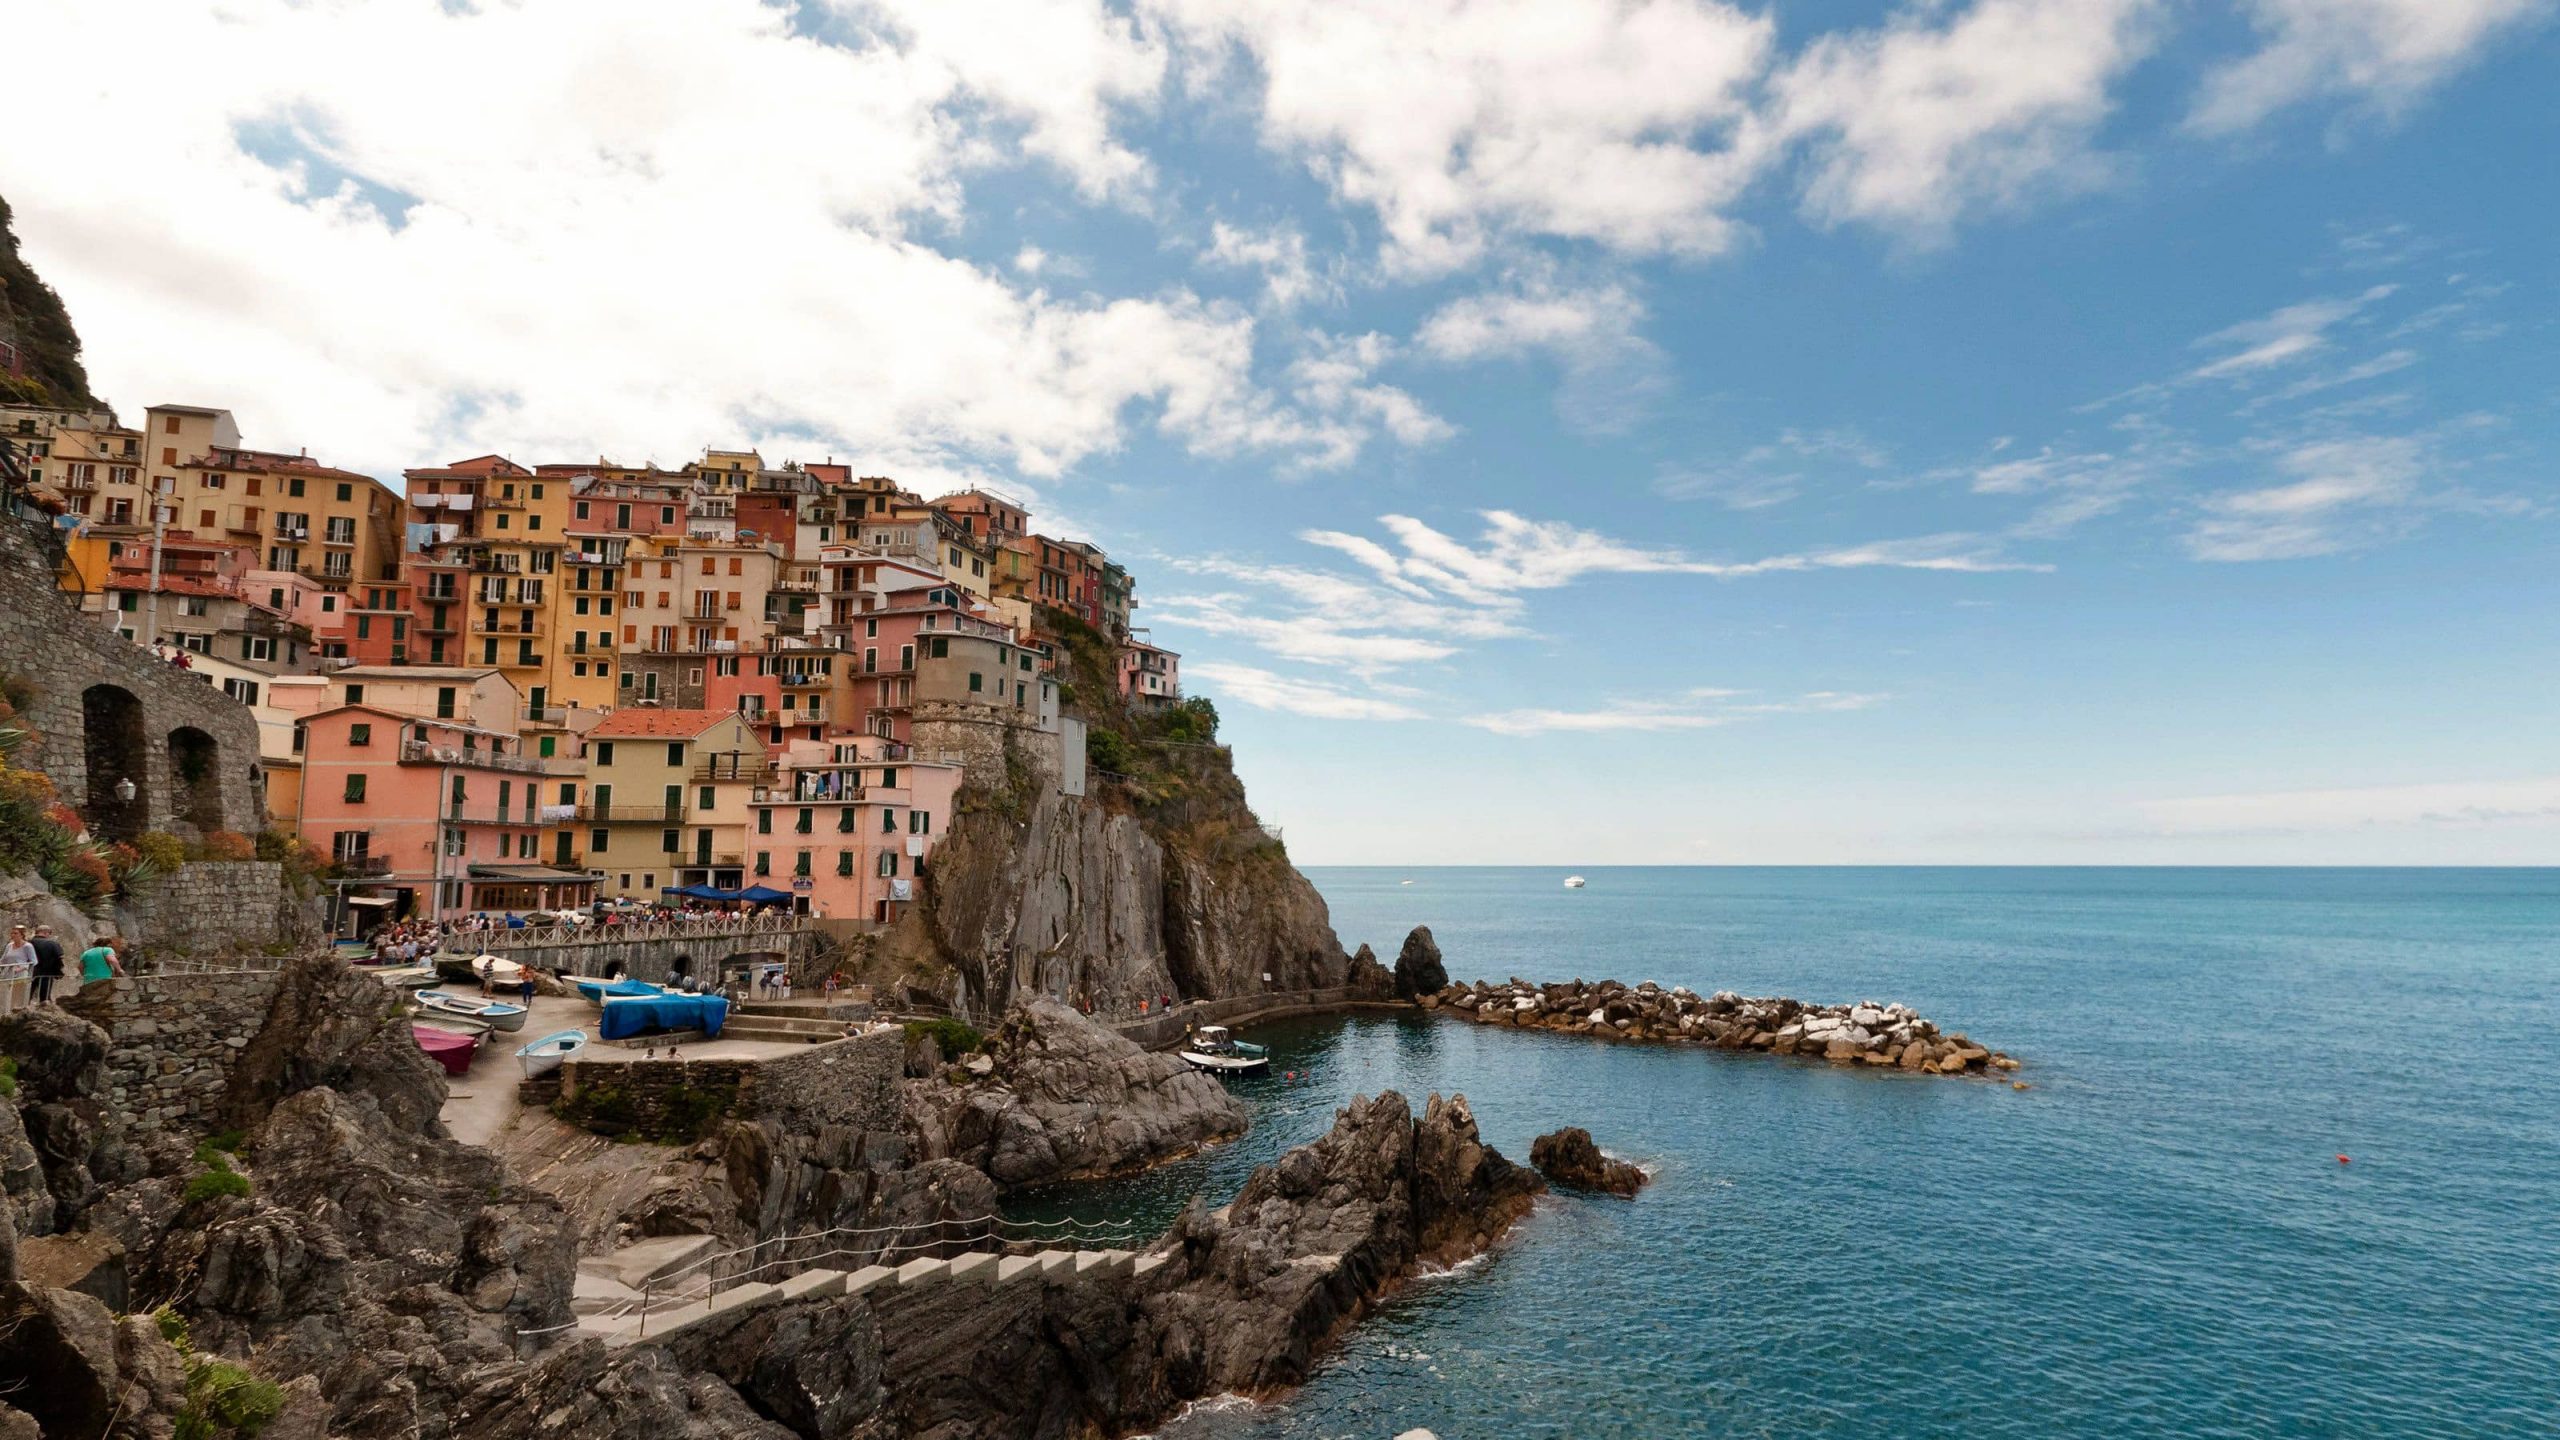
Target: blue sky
[(2074, 431)]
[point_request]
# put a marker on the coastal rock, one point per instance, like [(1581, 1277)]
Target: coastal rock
[(333, 1026), (1865, 1033), (1419, 970), (1065, 1098), (1569, 1157), (96, 1375)]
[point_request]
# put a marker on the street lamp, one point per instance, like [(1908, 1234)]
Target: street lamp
[(124, 790)]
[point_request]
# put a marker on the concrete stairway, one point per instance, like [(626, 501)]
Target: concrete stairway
[(786, 1028), (630, 1325)]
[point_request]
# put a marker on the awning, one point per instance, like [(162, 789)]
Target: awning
[(764, 895), (371, 900), (531, 875), (700, 892)]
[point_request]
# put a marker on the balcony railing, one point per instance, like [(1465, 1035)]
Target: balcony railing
[(675, 814), (418, 752), (802, 679), (710, 770), (544, 715), (364, 864)]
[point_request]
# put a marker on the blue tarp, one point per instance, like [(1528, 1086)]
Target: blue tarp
[(764, 894), (700, 892), (601, 990), (642, 1014)]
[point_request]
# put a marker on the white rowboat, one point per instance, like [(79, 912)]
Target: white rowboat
[(546, 1054)]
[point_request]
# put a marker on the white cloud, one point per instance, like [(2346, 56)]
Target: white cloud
[(1333, 378), (1266, 691), (1771, 474), (1611, 373), (1912, 124), (1279, 252), (2387, 53), (2345, 494), (2281, 338), (2440, 804), (1460, 121), (1692, 710), (390, 232)]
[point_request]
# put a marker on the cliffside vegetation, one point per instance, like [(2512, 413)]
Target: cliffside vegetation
[(34, 321)]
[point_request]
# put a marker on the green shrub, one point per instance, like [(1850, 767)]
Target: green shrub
[(1109, 750), (8, 1076), (161, 849), (173, 1326), (223, 1397), (956, 1037), (214, 1184)]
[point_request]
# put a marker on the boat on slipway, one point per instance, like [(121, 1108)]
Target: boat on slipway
[(546, 1054), (444, 1006), (451, 1049), (598, 989), (406, 977), (1213, 1049)]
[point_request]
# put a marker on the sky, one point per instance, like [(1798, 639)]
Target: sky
[(1570, 432)]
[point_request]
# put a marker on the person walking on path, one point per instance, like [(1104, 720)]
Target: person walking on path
[(98, 963), (48, 966), (16, 964)]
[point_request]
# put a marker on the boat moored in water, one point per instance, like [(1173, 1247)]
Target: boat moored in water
[(1213, 1049), (1573, 882)]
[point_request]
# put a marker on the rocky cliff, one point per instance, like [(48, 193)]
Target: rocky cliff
[(34, 323), (1157, 883)]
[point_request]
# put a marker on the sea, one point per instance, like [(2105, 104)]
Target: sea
[(2288, 1163)]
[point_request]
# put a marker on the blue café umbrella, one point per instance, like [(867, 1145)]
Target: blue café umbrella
[(764, 895)]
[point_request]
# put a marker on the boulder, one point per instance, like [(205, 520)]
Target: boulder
[(1570, 1158), (1419, 970), (90, 1262), (333, 1026), (1063, 1098)]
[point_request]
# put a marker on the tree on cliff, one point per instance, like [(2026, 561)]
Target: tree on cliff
[(38, 329)]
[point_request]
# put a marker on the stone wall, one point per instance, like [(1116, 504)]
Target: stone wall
[(990, 742), (654, 960), (175, 1040), (851, 1083), (46, 642), (209, 908)]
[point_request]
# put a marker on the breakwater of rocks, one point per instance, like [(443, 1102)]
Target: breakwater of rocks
[(1865, 1033)]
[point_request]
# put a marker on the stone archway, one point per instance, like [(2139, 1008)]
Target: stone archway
[(115, 754), (195, 778)]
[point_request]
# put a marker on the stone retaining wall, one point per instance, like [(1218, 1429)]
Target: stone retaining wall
[(654, 960), (209, 908), (852, 1083), (1160, 1032), (175, 1040)]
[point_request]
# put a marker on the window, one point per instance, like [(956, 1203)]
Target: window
[(706, 798), (355, 694), (941, 648), (764, 862), (444, 702), (360, 734), (346, 492), (871, 629), (919, 822), (671, 840), (675, 753), (806, 816), (889, 863), (889, 777), (595, 843), (604, 752), (582, 509), (355, 788), (870, 660), (764, 822), (977, 682), (844, 862), (888, 821)]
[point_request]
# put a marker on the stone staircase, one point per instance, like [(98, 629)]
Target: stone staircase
[(788, 1029), (613, 1306)]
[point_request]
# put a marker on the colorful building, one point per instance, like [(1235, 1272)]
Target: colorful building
[(667, 794), (849, 826)]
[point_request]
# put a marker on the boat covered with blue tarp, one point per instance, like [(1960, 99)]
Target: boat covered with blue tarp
[(643, 1014), (600, 991)]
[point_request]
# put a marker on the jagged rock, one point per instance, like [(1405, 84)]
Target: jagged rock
[(585, 1391), (60, 1056), (1569, 1157), (92, 1375), (336, 1027), (90, 1263), (1068, 1099), (1419, 970), (26, 1202), (1367, 978)]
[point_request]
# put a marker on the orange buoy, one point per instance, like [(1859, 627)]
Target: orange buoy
[(2342, 1159)]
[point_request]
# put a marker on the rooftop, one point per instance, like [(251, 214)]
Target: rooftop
[(645, 723)]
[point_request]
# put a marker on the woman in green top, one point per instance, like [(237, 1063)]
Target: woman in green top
[(99, 962)]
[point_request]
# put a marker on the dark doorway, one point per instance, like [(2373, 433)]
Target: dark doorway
[(195, 778), (116, 757)]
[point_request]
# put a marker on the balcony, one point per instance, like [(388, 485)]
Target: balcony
[(728, 768), (551, 715), (433, 626), (463, 816), (803, 679), (675, 814), (415, 752), (364, 865), (497, 564)]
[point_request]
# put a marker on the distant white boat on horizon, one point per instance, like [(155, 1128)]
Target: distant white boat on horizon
[(1404, 882), (1573, 882)]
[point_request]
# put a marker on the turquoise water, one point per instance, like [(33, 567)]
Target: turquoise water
[(2155, 1240)]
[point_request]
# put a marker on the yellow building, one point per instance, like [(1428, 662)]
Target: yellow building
[(668, 791), (336, 526)]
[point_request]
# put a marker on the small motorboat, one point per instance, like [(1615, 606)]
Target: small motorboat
[(496, 971), (1211, 1048), (544, 1055), (620, 988), (451, 1049), (495, 1014), (407, 977), (1573, 882)]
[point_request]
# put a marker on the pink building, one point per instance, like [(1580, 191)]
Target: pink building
[(849, 826), (439, 817), (884, 615), (1150, 675)]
